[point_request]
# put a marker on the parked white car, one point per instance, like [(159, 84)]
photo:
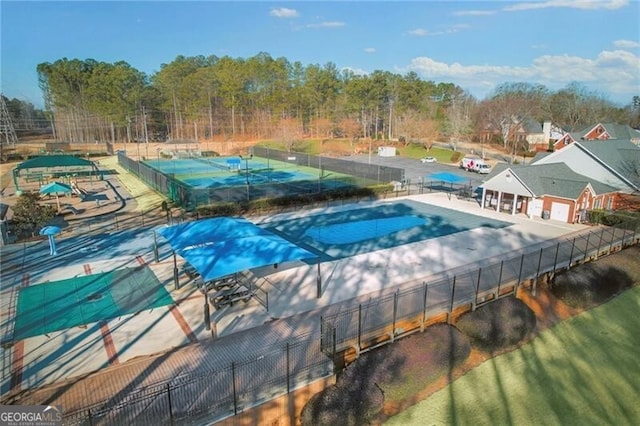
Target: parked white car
[(483, 169), (428, 160)]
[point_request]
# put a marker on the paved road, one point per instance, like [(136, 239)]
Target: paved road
[(415, 170)]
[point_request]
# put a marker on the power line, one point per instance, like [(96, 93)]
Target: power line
[(7, 132)]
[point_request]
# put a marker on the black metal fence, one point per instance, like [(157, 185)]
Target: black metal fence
[(360, 326), (188, 197), (211, 396)]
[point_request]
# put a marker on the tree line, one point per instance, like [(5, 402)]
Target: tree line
[(262, 97)]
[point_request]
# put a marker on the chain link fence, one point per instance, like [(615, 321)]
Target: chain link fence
[(189, 198)]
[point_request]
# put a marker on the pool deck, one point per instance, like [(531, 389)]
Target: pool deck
[(122, 348)]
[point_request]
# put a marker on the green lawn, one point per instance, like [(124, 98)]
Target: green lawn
[(583, 371)]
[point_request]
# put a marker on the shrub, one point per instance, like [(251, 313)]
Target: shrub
[(343, 405), (595, 216), (589, 285), (404, 368), (499, 324), (222, 209)]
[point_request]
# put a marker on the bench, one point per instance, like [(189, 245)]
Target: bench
[(219, 283), (230, 296), (188, 269)]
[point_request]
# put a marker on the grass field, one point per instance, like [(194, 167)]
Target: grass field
[(583, 371)]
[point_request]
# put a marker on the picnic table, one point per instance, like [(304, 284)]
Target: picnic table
[(231, 295), (218, 283), (188, 269)]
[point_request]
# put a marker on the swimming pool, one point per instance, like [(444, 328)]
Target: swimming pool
[(348, 233)]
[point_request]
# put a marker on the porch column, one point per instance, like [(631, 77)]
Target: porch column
[(515, 203), (498, 205), (484, 195)]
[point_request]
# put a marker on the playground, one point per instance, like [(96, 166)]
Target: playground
[(71, 185)]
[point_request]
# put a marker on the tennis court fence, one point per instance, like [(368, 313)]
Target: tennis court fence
[(189, 197)]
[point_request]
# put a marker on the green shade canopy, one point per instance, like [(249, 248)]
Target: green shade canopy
[(54, 161)]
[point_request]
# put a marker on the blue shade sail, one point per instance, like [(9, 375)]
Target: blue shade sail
[(222, 246)]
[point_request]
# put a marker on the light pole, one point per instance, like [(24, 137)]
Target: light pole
[(268, 167), (246, 172)]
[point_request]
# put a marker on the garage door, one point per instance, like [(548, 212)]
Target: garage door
[(560, 211)]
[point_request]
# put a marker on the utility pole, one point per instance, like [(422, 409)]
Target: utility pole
[(7, 131), (146, 132)]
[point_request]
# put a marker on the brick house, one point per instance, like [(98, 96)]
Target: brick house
[(601, 132), (565, 184)]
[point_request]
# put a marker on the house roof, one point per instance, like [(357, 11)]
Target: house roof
[(530, 125), (615, 131), (555, 179), (621, 155)]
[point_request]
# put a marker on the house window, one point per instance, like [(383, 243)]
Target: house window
[(610, 203), (598, 203)]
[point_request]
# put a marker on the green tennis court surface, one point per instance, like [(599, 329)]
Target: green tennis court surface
[(60, 305)]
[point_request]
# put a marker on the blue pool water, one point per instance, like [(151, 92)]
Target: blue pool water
[(362, 230), (349, 233)]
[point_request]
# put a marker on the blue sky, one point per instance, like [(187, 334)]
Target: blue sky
[(474, 44)]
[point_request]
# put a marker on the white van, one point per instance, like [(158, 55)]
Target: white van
[(475, 164)]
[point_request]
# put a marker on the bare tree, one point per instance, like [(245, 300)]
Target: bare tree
[(459, 117), (510, 105), (289, 130), (414, 126)]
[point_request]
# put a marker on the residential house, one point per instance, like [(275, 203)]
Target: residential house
[(565, 184), (550, 191), (526, 133), (600, 131)]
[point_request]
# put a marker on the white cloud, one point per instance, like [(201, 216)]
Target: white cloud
[(327, 24), (420, 32), (613, 72), (626, 44), (569, 4), (283, 12), (370, 49), (474, 13), (355, 71)]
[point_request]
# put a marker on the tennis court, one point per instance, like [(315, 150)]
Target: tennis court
[(219, 172), (59, 305), (348, 233)]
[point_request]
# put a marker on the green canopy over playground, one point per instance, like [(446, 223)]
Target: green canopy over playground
[(50, 162), (54, 161)]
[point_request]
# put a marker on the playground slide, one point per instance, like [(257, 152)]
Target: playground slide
[(78, 191)]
